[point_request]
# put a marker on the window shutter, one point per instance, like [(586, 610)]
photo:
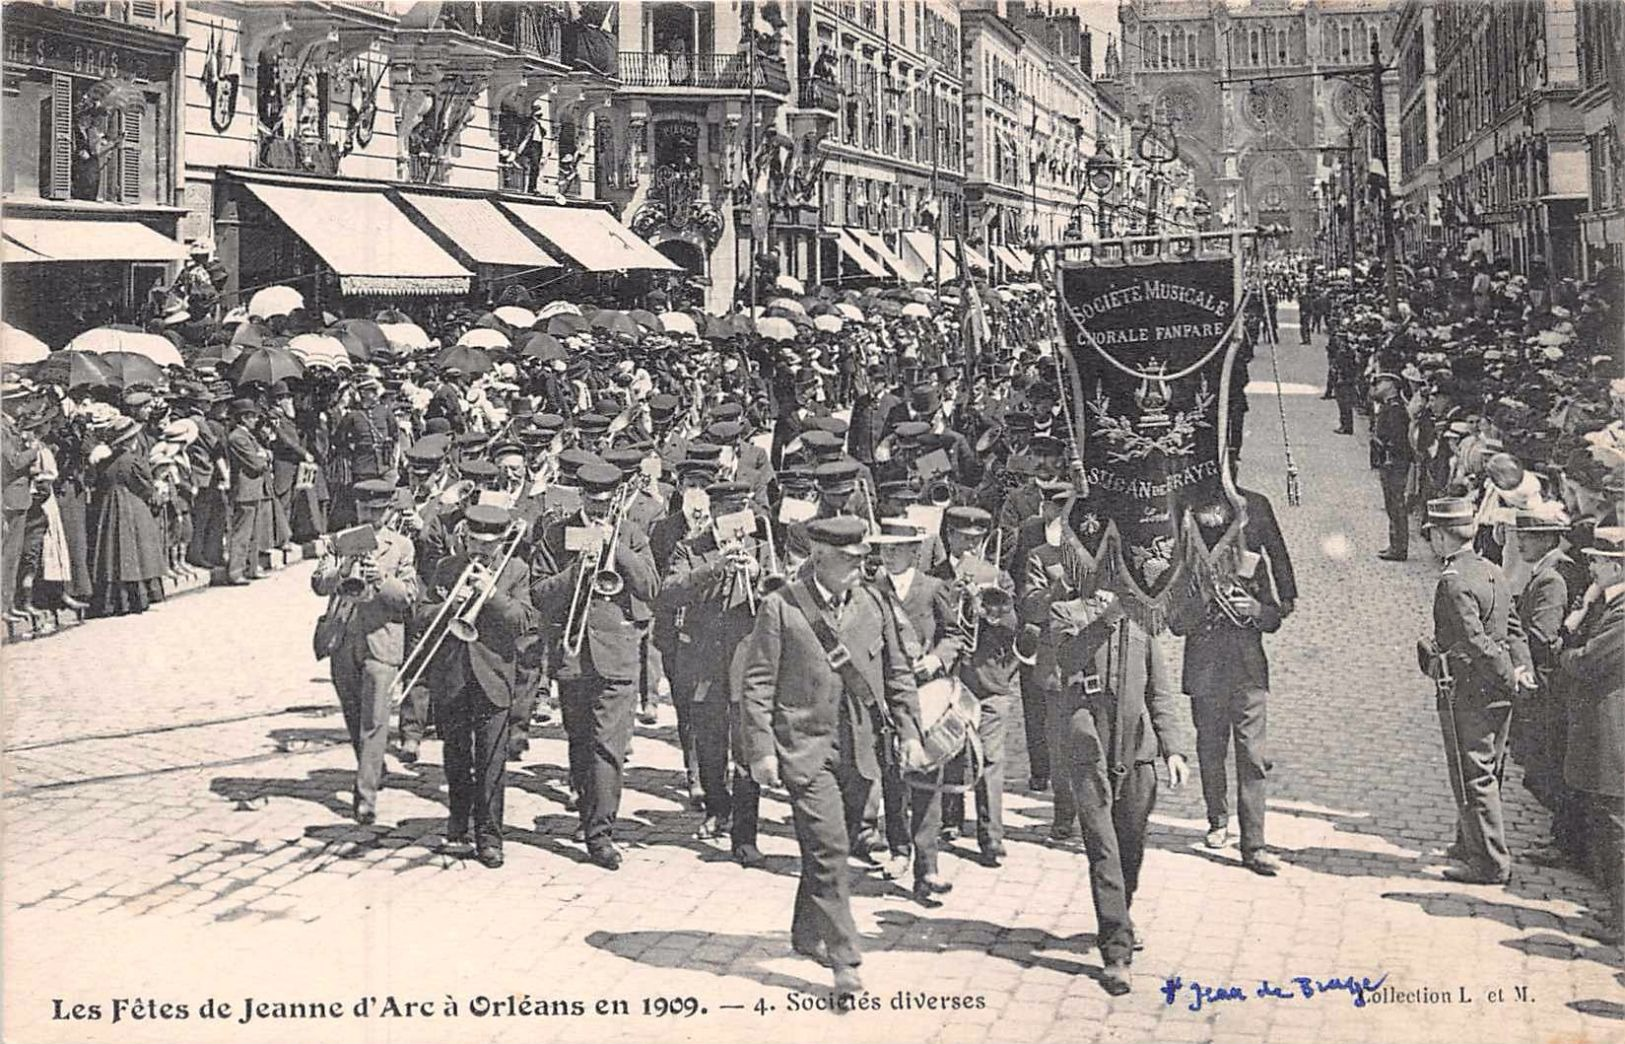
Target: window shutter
[(129, 156), (61, 181), (145, 12)]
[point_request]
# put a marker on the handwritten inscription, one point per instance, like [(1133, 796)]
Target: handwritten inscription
[(1198, 995)]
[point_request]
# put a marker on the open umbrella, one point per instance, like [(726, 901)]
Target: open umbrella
[(73, 369), (678, 322), (516, 317), (789, 284), (320, 350), (124, 338), (827, 323), (404, 337), (849, 311), (275, 300), (916, 310), (113, 94), (566, 323), (484, 337), (362, 337), (464, 358), (251, 334), (734, 324), (129, 368), (553, 308), (611, 321), (539, 345), (645, 319), (922, 295), (264, 365), (776, 328), (220, 353), (19, 347), (788, 304)]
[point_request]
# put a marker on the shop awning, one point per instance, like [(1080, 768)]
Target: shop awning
[(1011, 259), (366, 239), (591, 238), (908, 271), (477, 228), (924, 247), (66, 239), (977, 259), (853, 250), (1024, 259)]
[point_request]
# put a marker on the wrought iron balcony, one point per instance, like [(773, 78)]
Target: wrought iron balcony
[(707, 72), (819, 94)]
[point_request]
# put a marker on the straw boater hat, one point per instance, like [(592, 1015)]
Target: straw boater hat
[(1607, 542), (1449, 513)]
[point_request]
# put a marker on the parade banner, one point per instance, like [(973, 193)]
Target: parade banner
[(1148, 344)]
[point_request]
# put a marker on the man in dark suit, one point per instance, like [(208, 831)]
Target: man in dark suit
[(287, 453), (1472, 637), (710, 586), (250, 494), (822, 665), (370, 637), (1042, 542), (1391, 456), (1593, 667), (598, 677), (1226, 673), (473, 682), (1122, 696)]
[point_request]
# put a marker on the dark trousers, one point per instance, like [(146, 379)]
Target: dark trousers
[(913, 819), (1345, 408), (12, 542), (475, 731), (598, 723), (1033, 718), (1603, 817), (821, 809), (242, 548), (363, 686), (528, 682), (415, 713), (1114, 838), (1060, 706), (1219, 719), (1481, 722), (709, 722), (682, 700), (990, 788), (1393, 505)]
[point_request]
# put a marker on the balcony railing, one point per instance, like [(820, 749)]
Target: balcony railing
[(713, 72), (819, 94)]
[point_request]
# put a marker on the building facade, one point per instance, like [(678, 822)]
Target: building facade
[(1512, 155), (1265, 100), (1416, 189), (1600, 52), (91, 172)]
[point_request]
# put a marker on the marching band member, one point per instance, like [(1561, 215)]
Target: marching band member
[(473, 682), (714, 587), (598, 677), (822, 668), (364, 634), (987, 666)]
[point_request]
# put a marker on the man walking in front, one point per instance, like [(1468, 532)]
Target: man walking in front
[(823, 667)]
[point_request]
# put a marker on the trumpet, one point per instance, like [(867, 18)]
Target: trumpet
[(353, 584), (940, 493), (981, 597), (458, 615), (602, 579)]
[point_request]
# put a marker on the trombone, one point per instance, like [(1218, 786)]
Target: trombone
[(602, 579), (459, 614)]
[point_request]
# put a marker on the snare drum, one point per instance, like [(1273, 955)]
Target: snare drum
[(950, 715)]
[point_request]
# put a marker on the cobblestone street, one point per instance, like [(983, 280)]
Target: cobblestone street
[(177, 797)]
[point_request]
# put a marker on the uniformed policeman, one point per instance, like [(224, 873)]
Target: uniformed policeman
[(1472, 646)]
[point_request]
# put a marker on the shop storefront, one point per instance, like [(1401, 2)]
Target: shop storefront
[(89, 178)]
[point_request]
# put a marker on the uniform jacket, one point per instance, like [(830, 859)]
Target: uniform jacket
[(931, 612), (1594, 679), (250, 466), (989, 667), (615, 626), (794, 703), (379, 617), (1540, 607), (506, 624), (1472, 610), (1264, 537), (1391, 435), (366, 438), (1223, 657), (716, 616), (1139, 693)]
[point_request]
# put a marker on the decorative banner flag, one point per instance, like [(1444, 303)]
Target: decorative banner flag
[(1150, 345)]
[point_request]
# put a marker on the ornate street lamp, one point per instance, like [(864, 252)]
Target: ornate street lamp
[(1102, 170)]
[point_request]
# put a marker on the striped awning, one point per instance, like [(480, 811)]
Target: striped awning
[(909, 271), (852, 249), (591, 238), (478, 229), (924, 247), (368, 241), (71, 239)]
